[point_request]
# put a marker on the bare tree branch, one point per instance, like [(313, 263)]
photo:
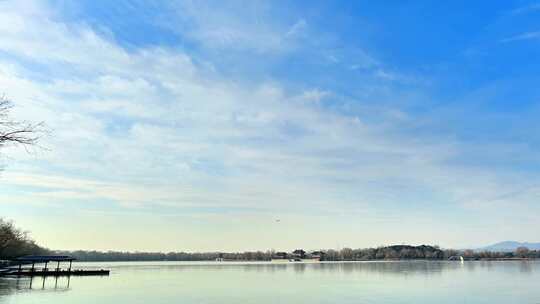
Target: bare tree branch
[(17, 132)]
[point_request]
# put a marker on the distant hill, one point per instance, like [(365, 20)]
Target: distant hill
[(511, 246)]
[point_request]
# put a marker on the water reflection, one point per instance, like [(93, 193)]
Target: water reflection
[(22, 284), (526, 267), (397, 268), (264, 283), (386, 267)]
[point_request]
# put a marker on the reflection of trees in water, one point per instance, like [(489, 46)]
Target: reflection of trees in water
[(525, 267), (392, 268), (387, 267), (397, 268), (21, 284)]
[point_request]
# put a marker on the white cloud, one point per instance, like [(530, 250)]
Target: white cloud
[(296, 28), (523, 36), (526, 9), (151, 127), (251, 26)]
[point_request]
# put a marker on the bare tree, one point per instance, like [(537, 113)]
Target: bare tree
[(15, 242), (17, 132), (522, 252)]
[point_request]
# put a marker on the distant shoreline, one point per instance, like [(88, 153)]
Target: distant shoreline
[(342, 261), (389, 253), (17, 244)]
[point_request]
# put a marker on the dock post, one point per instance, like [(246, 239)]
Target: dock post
[(70, 265), (45, 269), (33, 266), (20, 267), (58, 267)]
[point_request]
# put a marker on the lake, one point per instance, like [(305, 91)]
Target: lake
[(355, 282)]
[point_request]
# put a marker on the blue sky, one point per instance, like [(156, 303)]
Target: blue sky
[(191, 125)]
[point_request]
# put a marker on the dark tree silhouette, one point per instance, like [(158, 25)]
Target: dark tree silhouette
[(17, 132), (15, 242)]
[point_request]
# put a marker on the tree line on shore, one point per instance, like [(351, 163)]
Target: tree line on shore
[(395, 252), (345, 254), (15, 243)]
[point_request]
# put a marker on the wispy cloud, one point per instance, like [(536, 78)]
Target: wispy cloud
[(296, 28), (152, 128), (522, 36), (526, 9), (236, 26)]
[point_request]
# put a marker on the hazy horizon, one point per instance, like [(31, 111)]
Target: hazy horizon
[(213, 126), (287, 249)]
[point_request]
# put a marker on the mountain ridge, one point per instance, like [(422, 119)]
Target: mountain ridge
[(511, 246)]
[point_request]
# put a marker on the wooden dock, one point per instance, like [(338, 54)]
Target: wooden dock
[(34, 271), (45, 273)]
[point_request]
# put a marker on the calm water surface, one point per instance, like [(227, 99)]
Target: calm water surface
[(362, 282)]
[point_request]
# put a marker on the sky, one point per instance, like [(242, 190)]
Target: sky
[(257, 125)]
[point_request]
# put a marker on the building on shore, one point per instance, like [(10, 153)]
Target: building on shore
[(298, 255)]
